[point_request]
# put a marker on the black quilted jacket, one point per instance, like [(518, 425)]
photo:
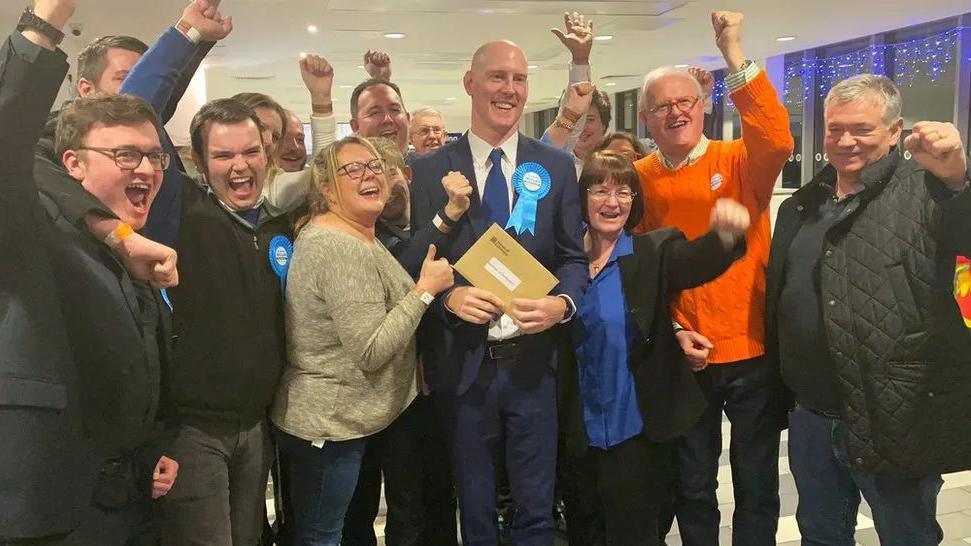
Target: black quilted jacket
[(902, 352)]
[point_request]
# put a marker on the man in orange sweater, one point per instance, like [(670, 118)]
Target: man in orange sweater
[(681, 183)]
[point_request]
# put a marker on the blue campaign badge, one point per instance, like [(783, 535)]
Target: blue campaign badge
[(281, 253), (532, 182), (716, 181)]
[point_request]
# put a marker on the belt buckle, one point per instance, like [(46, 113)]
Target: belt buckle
[(492, 354), (501, 351)]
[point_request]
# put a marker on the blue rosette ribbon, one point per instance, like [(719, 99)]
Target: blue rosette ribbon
[(281, 254), (532, 182)]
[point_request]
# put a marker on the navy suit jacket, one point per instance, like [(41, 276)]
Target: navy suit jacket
[(452, 350)]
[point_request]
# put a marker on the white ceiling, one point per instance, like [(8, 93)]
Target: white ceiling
[(428, 64)]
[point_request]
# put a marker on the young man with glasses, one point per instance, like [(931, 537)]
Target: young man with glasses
[(681, 183), (85, 341)]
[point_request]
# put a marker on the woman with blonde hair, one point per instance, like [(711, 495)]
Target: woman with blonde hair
[(351, 312)]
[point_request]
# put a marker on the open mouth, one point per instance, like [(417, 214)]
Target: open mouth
[(610, 215), (291, 157), (389, 133), (505, 106), (137, 194), (677, 124), (242, 186), (370, 192)]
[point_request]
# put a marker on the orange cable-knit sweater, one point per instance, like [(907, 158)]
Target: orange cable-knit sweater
[(730, 310)]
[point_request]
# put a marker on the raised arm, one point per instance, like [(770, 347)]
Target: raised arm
[(154, 78), (937, 147), (577, 37), (286, 192), (766, 137)]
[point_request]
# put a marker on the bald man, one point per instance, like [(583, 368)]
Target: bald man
[(492, 367)]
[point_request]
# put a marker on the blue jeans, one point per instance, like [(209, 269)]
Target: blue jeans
[(829, 490), (321, 482)]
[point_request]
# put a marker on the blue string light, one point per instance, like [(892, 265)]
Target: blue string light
[(931, 56)]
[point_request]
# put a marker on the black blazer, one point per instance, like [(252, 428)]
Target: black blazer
[(668, 395)]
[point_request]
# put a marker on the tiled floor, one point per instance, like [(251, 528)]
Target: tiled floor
[(953, 507)]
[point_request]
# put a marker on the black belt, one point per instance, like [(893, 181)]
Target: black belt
[(497, 350)]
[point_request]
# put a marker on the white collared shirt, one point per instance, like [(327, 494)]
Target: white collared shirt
[(482, 164)]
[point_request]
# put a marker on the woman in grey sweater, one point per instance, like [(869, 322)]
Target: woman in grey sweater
[(351, 314)]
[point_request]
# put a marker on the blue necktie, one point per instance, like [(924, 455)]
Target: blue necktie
[(495, 196)]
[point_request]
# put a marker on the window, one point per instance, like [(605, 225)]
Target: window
[(625, 110), (797, 70)]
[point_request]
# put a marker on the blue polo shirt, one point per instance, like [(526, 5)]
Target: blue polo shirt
[(605, 334)]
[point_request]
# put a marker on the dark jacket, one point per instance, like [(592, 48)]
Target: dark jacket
[(893, 329), (81, 343), (230, 346), (228, 308), (668, 395)]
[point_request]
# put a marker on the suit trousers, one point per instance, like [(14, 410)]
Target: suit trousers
[(505, 416)]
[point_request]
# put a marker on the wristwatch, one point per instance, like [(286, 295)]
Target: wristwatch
[(30, 20), (427, 298)]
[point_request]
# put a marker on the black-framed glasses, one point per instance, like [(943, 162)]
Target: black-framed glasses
[(356, 169), (623, 195), (130, 159), (683, 104)]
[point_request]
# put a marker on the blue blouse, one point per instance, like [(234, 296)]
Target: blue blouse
[(605, 333)]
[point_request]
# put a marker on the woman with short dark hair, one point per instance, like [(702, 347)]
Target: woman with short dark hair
[(634, 392)]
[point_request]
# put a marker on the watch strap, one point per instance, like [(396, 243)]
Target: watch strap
[(30, 20)]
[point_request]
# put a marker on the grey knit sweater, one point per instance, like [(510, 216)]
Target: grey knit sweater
[(351, 314)]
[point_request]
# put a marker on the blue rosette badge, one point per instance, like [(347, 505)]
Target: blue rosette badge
[(532, 182), (281, 254)]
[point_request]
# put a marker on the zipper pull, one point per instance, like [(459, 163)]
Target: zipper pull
[(256, 246)]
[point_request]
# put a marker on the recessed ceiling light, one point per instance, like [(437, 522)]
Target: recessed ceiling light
[(610, 84), (360, 66), (394, 35), (532, 66), (681, 66), (345, 86), (603, 38), (785, 38), (450, 98), (312, 29)]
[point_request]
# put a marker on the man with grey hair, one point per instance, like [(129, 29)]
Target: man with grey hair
[(427, 130), (862, 324), (722, 320)]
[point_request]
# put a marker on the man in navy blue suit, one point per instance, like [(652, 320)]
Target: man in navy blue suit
[(493, 371)]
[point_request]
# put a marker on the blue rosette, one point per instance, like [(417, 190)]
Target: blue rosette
[(281, 254), (532, 182)]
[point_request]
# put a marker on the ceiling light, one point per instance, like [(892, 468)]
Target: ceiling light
[(345, 86), (532, 66), (681, 66), (312, 29), (360, 66), (609, 84), (450, 98), (785, 38), (603, 38), (394, 35)]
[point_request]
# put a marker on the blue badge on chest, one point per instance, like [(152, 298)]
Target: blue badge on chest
[(281, 253), (532, 182)]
